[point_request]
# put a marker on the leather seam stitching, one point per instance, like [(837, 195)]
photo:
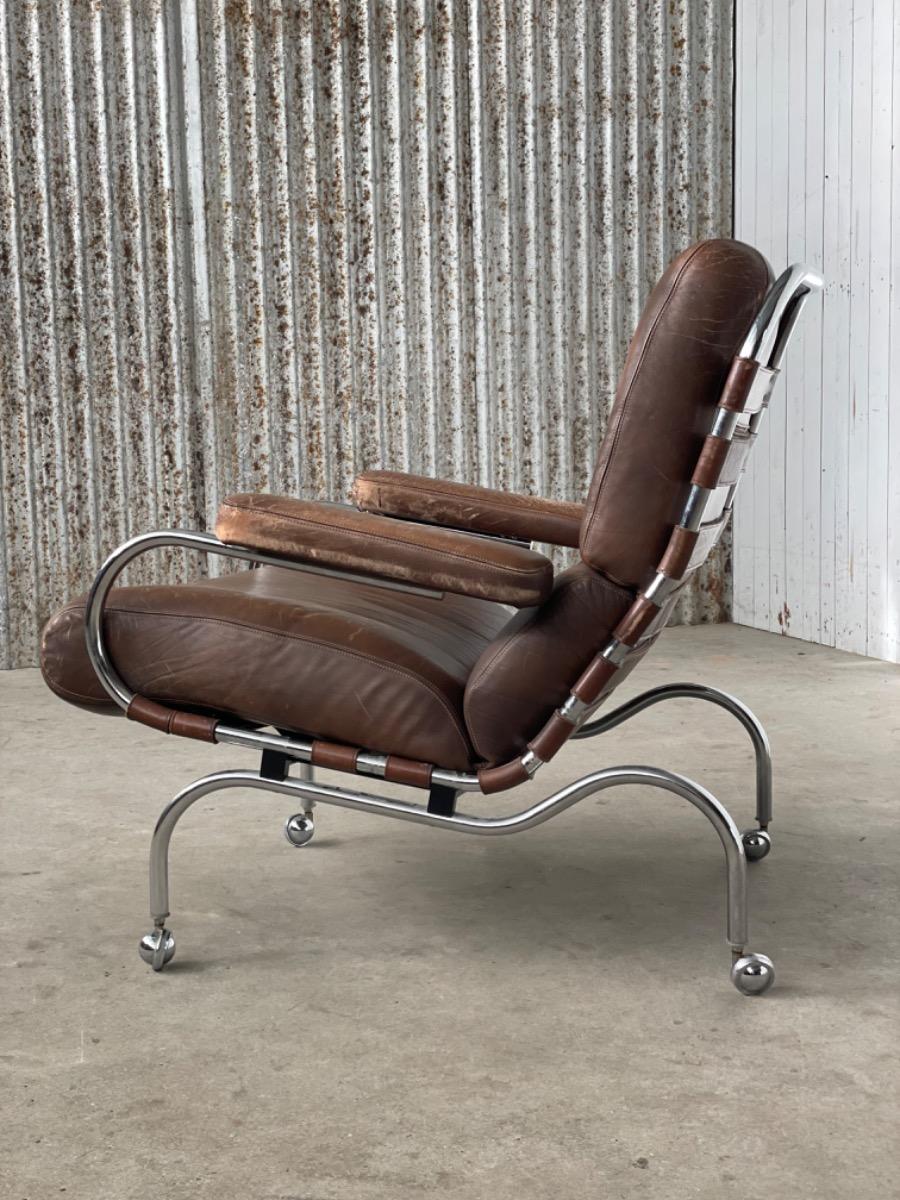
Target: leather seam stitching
[(409, 674), (621, 421)]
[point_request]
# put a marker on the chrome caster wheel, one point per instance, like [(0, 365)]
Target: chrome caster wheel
[(157, 948), (753, 974), (299, 829), (757, 844)]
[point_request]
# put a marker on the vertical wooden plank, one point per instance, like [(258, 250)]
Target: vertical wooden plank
[(879, 332), (852, 625), (810, 363), (745, 196), (764, 133), (836, 316), (788, 409), (892, 638), (780, 169)]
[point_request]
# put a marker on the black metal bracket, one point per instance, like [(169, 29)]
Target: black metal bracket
[(275, 765), (442, 800)]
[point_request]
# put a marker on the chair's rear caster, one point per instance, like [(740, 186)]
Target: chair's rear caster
[(753, 974), (299, 829), (757, 844), (157, 948)]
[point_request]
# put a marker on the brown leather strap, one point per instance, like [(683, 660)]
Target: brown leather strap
[(593, 679), (334, 756), (712, 459), (674, 561), (498, 779), (552, 737), (737, 385), (408, 771), (639, 617), (170, 720)]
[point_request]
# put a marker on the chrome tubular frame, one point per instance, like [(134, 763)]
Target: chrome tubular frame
[(528, 818), (699, 691)]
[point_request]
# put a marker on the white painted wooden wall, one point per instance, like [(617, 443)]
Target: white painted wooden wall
[(817, 178)]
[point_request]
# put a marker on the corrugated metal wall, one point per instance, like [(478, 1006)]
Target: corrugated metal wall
[(263, 245)]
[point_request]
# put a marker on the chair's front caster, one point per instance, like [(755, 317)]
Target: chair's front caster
[(157, 948), (757, 844), (753, 974), (299, 829)]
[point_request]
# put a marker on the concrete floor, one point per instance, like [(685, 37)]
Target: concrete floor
[(395, 1012)]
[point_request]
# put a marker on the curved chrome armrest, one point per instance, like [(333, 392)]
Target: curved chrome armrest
[(208, 543), (186, 539)]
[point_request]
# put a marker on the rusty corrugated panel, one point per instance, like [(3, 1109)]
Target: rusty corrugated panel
[(250, 245)]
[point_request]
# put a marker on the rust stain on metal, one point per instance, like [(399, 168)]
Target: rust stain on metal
[(249, 245)]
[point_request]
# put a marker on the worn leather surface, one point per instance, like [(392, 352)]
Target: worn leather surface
[(340, 537), (465, 506), (338, 659), (528, 671), (677, 363)]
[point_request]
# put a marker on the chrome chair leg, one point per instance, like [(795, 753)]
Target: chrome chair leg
[(157, 948), (751, 973), (757, 842)]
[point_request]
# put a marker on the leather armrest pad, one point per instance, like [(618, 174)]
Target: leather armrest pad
[(465, 506), (338, 537)]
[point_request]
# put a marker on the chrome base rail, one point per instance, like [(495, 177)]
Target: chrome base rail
[(699, 691), (752, 974)]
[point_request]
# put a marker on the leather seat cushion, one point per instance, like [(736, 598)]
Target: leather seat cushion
[(333, 658)]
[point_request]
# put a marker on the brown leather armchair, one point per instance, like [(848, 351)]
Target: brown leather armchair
[(419, 638)]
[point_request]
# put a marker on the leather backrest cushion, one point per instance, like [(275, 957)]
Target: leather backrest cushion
[(690, 330), (529, 668)]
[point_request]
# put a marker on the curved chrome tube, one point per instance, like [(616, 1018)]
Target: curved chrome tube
[(597, 781), (772, 327), (206, 543), (699, 691)]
